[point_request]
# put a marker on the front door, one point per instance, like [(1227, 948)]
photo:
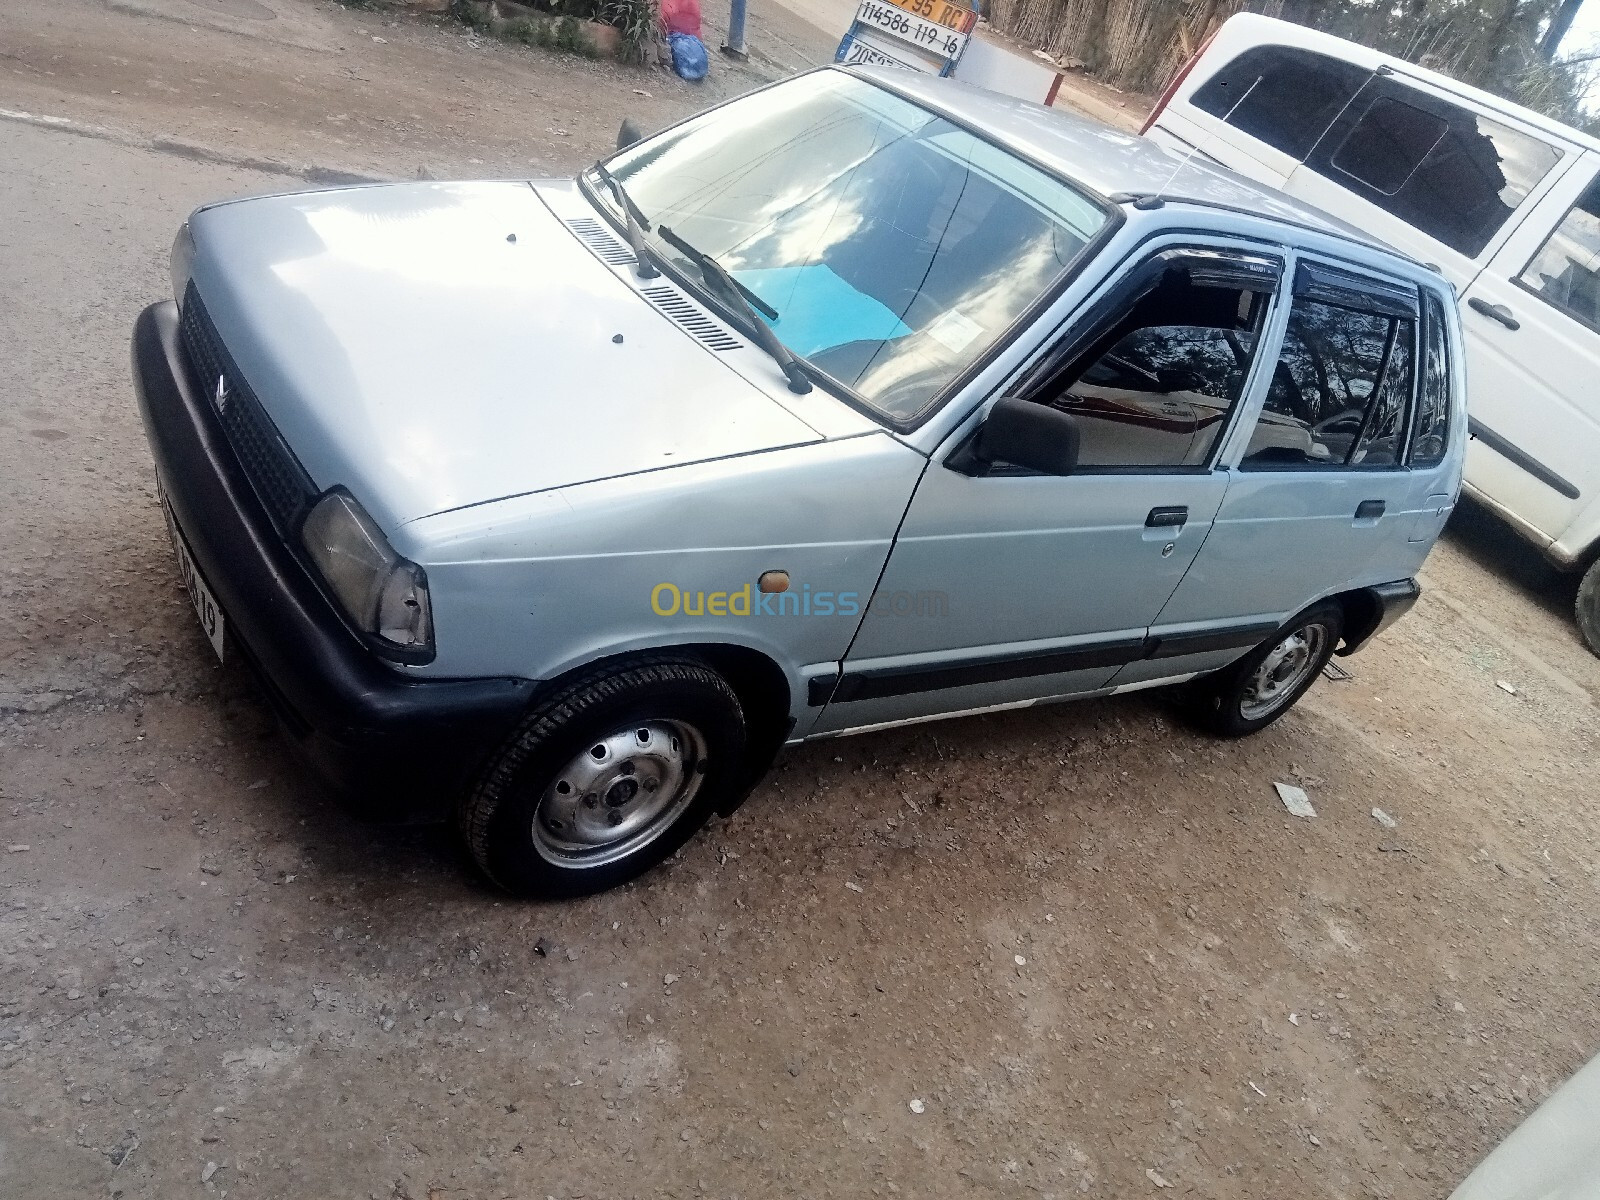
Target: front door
[(1005, 587), (1344, 479), (1533, 339)]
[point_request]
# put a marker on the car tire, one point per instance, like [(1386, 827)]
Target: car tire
[(1587, 607), (1252, 693), (605, 778)]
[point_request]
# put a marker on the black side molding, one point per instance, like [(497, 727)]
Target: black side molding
[(871, 685), (820, 690), (1522, 458), (1177, 645), (1113, 652)]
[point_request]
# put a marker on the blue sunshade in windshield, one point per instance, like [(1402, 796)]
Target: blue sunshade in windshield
[(818, 310)]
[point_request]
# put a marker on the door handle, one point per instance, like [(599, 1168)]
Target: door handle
[(1495, 312), (1177, 514), (1370, 510)]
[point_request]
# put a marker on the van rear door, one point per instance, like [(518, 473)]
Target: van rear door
[(1533, 347)]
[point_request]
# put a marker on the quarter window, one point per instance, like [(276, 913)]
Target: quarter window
[(1339, 392), (1432, 432), (1285, 97), (1453, 174), (1155, 389), (1566, 271)]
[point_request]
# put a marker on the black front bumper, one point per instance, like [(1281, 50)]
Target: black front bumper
[(400, 747)]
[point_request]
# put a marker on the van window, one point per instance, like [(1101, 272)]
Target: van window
[(1339, 393), (1566, 271), (1387, 146), (1284, 96), (1432, 432), (1155, 389), (1452, 174)]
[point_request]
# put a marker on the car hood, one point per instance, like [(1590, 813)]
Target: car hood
[(432, 346)]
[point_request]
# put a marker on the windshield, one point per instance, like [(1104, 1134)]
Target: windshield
[(895, 246)]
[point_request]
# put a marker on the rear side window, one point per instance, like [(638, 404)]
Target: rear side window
[(1432, 432), (1285, 97), (1340, 390), (1566, 271), (1448, 172)]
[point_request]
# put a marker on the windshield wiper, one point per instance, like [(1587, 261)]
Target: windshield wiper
[(645, 266), (749, 304)]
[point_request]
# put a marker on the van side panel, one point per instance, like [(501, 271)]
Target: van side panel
[(1531, 367)]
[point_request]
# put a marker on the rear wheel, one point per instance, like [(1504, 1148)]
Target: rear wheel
[(605, 778), (1263, 685), (1588, 606)]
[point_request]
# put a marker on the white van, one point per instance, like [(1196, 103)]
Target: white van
[(1505, 202)]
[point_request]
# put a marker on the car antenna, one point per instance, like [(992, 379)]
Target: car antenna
[(1156, 200)]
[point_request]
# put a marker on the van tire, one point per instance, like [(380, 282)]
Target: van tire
[(1243, 698), (606, 777), (1587, 607)]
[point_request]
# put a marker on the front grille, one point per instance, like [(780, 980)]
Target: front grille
[(280, 482)]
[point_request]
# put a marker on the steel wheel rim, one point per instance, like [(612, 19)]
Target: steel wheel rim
[(1274, 683), (619, 793)]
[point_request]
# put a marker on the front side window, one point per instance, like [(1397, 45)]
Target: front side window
[(1154, 390), (1566, 271), (1284, 96), (1453, 174), (1339, 392), (895, 247)]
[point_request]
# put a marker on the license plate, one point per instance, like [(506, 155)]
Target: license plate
[(205, 604), (940, 12), (908, 27), (871, 54)]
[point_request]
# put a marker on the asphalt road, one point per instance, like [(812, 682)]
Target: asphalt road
[(1088, 943)]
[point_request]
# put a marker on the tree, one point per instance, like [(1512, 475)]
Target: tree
[(1560, 24)]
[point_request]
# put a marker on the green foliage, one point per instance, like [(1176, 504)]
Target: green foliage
[(564, 27), (638, 20)]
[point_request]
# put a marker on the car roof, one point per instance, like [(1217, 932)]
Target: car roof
[(1106, 160)]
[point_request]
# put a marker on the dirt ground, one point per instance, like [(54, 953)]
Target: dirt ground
[(1088, 943)]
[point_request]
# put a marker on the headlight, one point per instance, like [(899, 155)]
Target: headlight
[(182, 261), (385, 595)]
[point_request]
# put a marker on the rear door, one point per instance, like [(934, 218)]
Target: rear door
[(1533, 345), (1322, 498)]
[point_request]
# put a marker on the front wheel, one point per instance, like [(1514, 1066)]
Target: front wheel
[(605, 778), (1588, 607), (1264, 684)]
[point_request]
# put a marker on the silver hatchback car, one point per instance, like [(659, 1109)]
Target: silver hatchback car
[(863, 399)]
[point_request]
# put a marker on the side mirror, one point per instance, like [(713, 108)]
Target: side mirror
[(1026, 434), (628, 134)]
